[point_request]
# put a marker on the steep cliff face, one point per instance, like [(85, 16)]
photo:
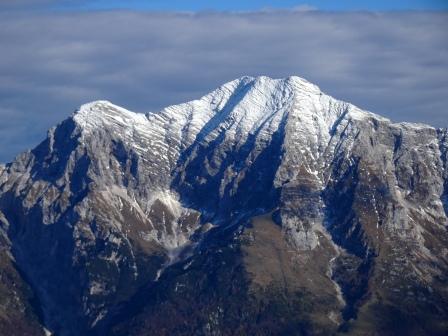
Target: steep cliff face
[(265, 207), (17, 316)]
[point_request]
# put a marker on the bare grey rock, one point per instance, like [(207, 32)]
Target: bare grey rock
[(114, 204)]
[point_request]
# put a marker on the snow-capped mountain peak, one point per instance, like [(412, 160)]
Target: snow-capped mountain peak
[(265, 196)]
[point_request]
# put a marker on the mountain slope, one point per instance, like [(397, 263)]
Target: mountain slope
[(265, 207)]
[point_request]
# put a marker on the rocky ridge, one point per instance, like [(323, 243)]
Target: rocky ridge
[(264, 207)]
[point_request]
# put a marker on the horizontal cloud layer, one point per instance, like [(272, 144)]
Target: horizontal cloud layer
[(394, 64)]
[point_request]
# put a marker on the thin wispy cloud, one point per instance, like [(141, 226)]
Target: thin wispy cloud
[(395, 64)]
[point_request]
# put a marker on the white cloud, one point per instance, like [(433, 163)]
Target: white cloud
[(395, 64), (304, 8)]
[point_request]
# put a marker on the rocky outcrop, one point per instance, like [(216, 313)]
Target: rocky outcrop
[(265, 207), (18, 314)]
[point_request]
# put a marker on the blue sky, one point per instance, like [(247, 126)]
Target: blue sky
[(246, 5), (238, 5)]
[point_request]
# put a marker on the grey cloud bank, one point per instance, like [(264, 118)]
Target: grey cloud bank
[(394, 64)]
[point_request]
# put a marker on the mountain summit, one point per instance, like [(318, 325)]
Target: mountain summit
[(265, 207)]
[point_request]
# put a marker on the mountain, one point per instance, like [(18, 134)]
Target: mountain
[(264, 208)]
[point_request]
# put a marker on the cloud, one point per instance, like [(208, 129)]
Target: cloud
[(304, 8), (395, 64)]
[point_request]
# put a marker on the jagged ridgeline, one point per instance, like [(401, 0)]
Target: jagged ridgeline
[(264, 208)]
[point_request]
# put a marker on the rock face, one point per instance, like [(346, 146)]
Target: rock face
[(266, 207)]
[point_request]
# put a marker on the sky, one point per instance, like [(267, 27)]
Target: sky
[(389, 60), (231, 5)]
